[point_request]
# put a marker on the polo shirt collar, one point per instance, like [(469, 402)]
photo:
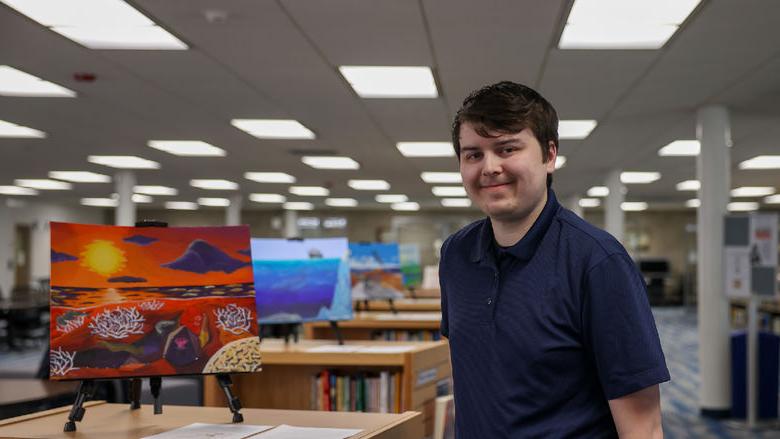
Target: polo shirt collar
[(526, 247)]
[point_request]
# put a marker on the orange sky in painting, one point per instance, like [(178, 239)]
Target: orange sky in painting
[(145, 261)]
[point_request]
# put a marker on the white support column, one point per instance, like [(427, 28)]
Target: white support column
[(612, 205), (573, 203), (291, 224), (233, 211), (713, 169), (125, 209)]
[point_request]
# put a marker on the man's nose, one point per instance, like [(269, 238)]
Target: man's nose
[(491, 165)]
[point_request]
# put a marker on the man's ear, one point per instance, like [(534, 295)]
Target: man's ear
[(552, 154)]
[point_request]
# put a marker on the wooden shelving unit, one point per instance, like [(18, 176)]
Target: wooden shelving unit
[(366, 324), (286, 379), (432, 304)]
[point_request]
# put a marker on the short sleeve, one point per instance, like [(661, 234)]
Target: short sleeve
[(444, 328), (620, 329)]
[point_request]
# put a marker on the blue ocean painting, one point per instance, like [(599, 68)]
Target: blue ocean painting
[(301, 280)]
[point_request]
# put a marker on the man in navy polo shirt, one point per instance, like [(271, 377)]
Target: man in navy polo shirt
[(550, 330)]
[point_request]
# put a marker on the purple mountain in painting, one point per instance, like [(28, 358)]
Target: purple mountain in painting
[(245, 252), (61, 257), (202, 257), (127, 279), (140, 239)]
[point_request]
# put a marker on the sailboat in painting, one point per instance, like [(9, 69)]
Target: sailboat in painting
[(129, 301)]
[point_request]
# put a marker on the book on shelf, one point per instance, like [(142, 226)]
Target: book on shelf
[(333, 390)]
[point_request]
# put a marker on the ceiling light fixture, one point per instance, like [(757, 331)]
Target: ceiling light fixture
[(390, 81), (273, 128)]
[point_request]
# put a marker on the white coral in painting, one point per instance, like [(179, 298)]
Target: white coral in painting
[(70, 325), (118, 323), (233, 318), (61, 362), (151, 305)]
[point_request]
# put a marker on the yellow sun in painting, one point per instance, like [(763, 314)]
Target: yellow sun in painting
[(103, 257)]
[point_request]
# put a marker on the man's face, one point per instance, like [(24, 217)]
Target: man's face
[(504, 174)]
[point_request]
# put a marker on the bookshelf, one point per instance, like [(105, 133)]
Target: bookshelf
[(432, 304), (288, 371), (118, 421), (768, 314), (375, 325)]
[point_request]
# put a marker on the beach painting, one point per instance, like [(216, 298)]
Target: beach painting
[(301, 280), (410, 264), (151, 301), (376, 271)]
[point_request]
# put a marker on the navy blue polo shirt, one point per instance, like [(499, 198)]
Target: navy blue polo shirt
[(543, 333)]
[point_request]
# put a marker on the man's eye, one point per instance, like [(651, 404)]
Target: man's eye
[(508, 149), (472, 155)]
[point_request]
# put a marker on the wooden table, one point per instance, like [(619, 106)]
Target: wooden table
[(118, 421), (23, 395), (423, 304)]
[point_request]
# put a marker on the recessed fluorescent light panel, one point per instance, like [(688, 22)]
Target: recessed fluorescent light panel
[(99, 202), (298, 205), (43, 184), (407, 206), (273, 128), (309, 191), (214, 184), (123, 161), (681, 148), (752, 191), (589, 202), (639, 177), (772, 199), (214, 202), (267, 198), (155, 190), (616, 24), (369, 185), (761, 162), (141, 199), (187, 148), (633, 206), (181, 205), (330, 162), (426, 149), (688, 185), (598, 191), (693, 202), (441, 177), (742, 206), (8, 129), (341, 202), (575, 129), (269, 177), (16, 190), (391, 198), (15, 82), (99, 24), (449, 191), (80, 176), (390, 82), (456, 202), (560, 162)]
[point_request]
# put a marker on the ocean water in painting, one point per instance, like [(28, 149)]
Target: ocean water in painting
[(131, 301), (301, 280), (375, 270)]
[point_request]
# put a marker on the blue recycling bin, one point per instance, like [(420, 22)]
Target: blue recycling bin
[(768, 358)]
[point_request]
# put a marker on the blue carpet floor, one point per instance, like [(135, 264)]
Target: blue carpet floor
[(680, 396)]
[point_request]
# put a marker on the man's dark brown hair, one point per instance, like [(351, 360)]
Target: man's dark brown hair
[(507, 107)]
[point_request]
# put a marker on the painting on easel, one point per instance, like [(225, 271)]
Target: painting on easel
[(151, 301)]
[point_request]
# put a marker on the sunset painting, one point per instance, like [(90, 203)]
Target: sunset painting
[(375, 269), (149, 301)]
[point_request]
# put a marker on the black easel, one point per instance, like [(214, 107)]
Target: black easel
[(391, 304), (233, 402), (336, 330)]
